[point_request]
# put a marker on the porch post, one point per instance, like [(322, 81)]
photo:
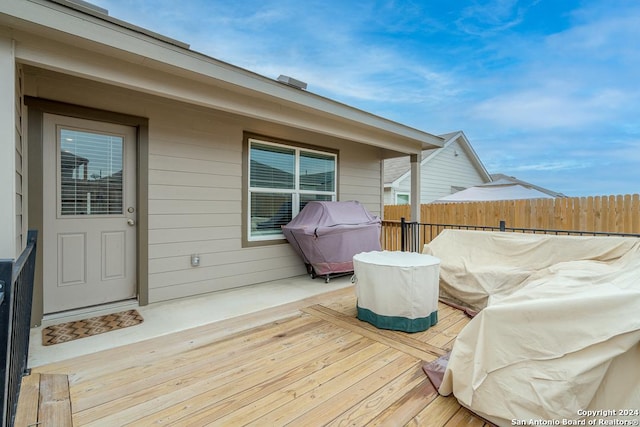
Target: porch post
[(7, 150), (415, 187)]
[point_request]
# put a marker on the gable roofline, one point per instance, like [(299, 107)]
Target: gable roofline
[(61, 21), (475, 159), (449, 138), (507, 179)]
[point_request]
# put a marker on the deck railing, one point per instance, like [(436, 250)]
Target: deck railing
[(412, 236), (16, 292)]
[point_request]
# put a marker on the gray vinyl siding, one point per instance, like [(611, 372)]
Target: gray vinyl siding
[(20, 163), (195, 187), (444, 171)]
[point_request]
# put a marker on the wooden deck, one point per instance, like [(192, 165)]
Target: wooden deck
[(309, 363)]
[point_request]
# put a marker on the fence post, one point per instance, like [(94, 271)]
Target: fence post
[(6, 270), (503, 225), (403, 230)]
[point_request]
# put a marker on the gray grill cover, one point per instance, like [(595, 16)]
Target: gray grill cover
[(328, 234)]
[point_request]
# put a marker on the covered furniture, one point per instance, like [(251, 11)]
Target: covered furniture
[(480, 266), (558, 333), (327, 235), (397, 290)]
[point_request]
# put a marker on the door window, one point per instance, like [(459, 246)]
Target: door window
[(90, 173)]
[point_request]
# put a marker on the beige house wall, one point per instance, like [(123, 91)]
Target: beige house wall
[(195, 185)]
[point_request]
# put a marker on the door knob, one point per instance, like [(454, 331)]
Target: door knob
[(131, 222)]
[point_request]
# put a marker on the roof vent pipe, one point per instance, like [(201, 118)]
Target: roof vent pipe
[(290, 81)]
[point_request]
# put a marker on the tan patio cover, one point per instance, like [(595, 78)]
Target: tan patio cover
[(560, 334)]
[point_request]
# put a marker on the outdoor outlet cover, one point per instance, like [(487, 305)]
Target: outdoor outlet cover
[(195, 260)]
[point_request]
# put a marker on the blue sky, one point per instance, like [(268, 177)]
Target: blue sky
[(547, 91)]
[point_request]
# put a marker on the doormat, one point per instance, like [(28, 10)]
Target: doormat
[(70, 331)]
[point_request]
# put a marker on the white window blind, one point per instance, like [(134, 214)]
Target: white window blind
[(282, 180), (90, 171)]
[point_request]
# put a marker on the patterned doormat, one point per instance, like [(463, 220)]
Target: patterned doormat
[(70, 331)]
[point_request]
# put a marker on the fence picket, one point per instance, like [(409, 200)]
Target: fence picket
[(635, 208), (626, 205)]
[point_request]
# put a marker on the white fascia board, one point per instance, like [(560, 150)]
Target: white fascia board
[(57, 22)]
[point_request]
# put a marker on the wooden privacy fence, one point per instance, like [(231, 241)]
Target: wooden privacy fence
[(599, 214), (612, 214)]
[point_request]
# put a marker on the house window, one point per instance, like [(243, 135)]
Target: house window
[(402, 198), (282, 178)]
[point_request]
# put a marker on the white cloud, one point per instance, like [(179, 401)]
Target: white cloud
[(536, 109), (563, 165), (601, 29), (492, 16)]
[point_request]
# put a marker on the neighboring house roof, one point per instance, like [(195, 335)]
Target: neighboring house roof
[(499, 178), (502, 187), (399, 168), (162, 66), (493, 191)]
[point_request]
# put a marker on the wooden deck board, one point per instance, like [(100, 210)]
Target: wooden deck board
[(217, 401), (323, 391), (400, 341), (310, 363), (29, 401), (142, 377), (465, 418), (403, 410), (438, 413), (55, 404), (212, 375), (263, 394), (362, 411)]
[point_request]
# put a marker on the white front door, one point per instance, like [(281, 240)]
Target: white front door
[(89, 213)]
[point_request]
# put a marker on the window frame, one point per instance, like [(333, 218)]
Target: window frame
[(403, 193), (248, 240)]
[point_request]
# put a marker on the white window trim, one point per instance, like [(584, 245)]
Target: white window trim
[(403, 193), (295, 192)]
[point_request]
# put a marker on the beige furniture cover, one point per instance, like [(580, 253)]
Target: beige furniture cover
[(559, 333)]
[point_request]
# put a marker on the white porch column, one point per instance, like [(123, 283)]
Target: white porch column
[(415, 187), (7, 150)]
